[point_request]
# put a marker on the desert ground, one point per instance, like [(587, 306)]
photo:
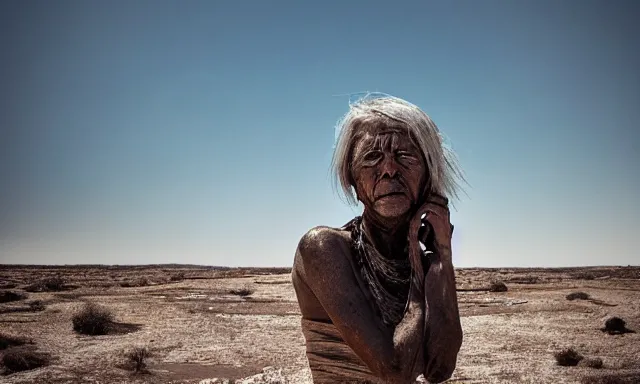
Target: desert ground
[(209, 324)]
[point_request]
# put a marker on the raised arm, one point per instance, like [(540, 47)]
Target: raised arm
[(391, 355), (443, 331)]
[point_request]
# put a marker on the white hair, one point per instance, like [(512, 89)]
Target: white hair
[(370, 112)]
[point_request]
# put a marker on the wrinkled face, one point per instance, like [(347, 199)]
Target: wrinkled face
[(389, 172)]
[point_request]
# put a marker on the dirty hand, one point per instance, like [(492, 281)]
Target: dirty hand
[(437, 235), (433, 231)]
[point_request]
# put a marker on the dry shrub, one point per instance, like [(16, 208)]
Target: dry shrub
[(7, 341), (528, 279), (70, 295), (50, 284), (584, 275), (497, 286), (615, 326), (92, 320), (23, 358), (37, 306), (578, 296), (141, 282), (9, 296), (568, 357), (101, 284), (591, 362), (244, 291), (177, 276), (136, 359)]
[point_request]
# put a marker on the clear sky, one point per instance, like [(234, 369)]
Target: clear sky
[(201, 132)]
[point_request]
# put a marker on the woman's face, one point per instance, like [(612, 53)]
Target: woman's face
[(389, 172)]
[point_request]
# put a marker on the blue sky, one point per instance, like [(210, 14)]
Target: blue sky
[(201, 132)]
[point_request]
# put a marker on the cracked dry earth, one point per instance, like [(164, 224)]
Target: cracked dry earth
[(214, 325)]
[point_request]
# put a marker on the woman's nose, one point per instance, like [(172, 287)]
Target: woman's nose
[(389, 167)]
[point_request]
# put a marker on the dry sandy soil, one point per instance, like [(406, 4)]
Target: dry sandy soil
[(197, 328)]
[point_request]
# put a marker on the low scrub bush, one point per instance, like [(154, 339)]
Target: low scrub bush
[(23, 358), (578, 296), (37, 306), (615, 325), (9, 296), (136, 359), (244, 291), (497, 286), (50, 284), (568, 357), (8, 341), (93, 319), (141, 282), (177, 276)]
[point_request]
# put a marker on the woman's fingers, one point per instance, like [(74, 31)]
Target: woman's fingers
[(438, 200)]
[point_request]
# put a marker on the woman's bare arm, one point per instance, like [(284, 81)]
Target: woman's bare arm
[(443, 331), (390, 354)]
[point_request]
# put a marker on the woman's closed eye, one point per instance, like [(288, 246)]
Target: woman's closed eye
[(404, 155), (372, 156)]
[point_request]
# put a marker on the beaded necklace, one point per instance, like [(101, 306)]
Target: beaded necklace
[(387, 279)]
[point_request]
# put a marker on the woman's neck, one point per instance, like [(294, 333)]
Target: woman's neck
[(389, 237)]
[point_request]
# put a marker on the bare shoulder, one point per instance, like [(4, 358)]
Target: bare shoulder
[(322, 263), (321, 245), (322, 238)]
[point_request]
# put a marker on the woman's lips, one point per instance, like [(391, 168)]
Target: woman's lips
[(391, 194), (389, 188)]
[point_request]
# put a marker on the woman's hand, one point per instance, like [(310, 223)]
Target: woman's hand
[(433, 231), (437, 237), (443, 331)]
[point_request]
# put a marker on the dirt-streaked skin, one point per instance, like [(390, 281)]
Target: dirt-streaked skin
[(388, 175), (197, 330)]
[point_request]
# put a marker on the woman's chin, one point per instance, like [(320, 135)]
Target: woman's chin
[(392, 206)]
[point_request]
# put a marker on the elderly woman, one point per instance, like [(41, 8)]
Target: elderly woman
[(378, 296)]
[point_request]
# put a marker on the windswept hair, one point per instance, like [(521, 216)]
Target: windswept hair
[(370, 114)]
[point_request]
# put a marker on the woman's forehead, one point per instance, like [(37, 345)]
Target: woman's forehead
[(394, 138)]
